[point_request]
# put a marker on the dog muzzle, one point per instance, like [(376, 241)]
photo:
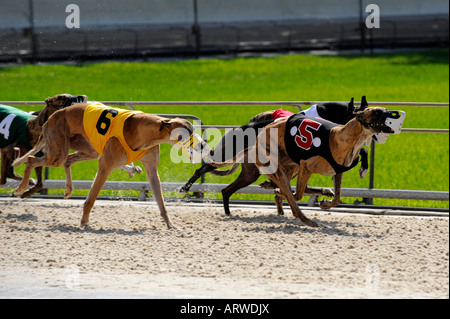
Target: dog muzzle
[(394, 121), (192, 147), (74, 99)]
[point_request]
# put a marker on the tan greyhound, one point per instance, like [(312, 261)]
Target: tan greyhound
[(127, 136)]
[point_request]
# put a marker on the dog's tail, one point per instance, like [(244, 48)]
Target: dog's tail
[(39, 146), (227, 172)]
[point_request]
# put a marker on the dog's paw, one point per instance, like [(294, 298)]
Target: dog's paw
[(18, 192), (362, 172), (68, 193), (325, 204), (136, 169), (184, 189), (327, 192), (267, 185), (311, 223)]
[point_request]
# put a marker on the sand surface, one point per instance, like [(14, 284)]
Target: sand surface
[(127, 252)]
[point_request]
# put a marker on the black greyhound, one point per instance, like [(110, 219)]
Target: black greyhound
[(336, 112)]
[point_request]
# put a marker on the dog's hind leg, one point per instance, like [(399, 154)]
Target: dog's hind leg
[(54, 156), (248, 175), (326, 204), (302, 180), (54, 143), (32, 162), (114, 157), (39, 183), (8, 155), (72, 159), (150, 162), (85, 152)]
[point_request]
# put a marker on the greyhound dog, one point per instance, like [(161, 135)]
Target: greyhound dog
[(20, 132), (118, 136), (336, 112), (307, 146)]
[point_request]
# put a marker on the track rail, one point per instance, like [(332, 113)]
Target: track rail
[(144, 187)]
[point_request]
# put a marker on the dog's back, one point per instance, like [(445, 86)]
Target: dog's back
[(336, 112)]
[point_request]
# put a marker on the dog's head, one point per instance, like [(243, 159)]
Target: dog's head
[(63, 100), (177, 127), (182, 136), (378, 119)]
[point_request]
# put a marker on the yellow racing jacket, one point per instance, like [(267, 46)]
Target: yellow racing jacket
[(101, 122)]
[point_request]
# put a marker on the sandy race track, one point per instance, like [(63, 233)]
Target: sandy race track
[(127, 252)]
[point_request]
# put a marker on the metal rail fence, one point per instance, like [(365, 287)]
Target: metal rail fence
[(368, 194)]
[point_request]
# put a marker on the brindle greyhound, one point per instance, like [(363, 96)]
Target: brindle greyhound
[(33, 131), (141, 133), (344, 143), (336, 112)]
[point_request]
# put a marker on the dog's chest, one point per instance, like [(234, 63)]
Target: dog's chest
[(306, 137)]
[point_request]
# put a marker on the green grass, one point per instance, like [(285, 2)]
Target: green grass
[(407, 161)]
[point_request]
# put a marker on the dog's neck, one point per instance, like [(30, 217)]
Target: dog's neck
[(35, 124), (43, 116), (347, 140)]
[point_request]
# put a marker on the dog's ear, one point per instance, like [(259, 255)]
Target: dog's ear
[(350, 106), (364, 103), (165, 123), (362, 106)]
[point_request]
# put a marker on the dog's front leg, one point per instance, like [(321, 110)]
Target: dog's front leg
[(282, 181), (4, 166), (150, 162), (279, 203), (327, 204), (364, 162), (205, 168)]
